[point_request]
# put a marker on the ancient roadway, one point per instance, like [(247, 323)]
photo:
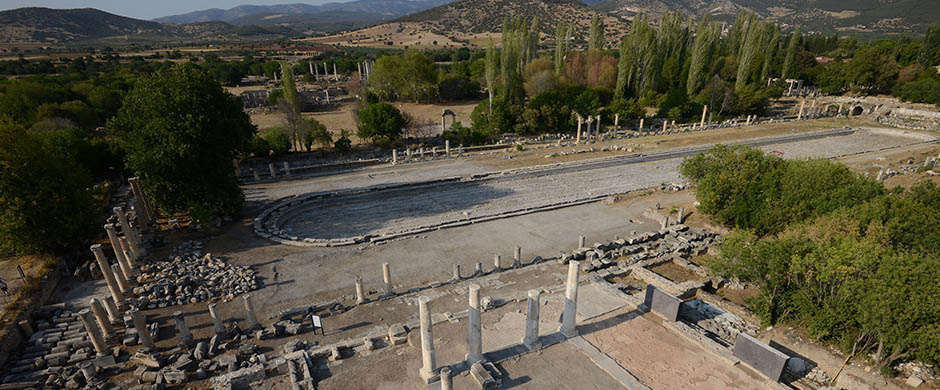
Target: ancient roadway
[(386, 212)]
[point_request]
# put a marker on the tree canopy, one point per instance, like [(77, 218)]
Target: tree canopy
[(181, 131), (46, 201)]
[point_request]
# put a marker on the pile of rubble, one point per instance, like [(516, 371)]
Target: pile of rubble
[(190, 278)]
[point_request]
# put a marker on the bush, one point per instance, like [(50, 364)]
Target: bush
[(277, 140), (343, 144), (744, 188), (45, 198)]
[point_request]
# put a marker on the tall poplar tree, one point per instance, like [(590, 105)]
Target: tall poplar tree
[(706, 41), (792, 48), (561, 47)]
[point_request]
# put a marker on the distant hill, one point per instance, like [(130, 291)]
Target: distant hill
[(479, 16), (57, 25), (880, 16), (89, 25), (306, 18), (465, 23)]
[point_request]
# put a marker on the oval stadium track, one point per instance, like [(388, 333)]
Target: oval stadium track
[(382, 213)]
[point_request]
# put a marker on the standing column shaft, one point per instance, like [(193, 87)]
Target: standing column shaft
[(113, 314), (429, 365), (186, 337), (531, 339), (93, 332), (568, 325), (102, 316), (142, 332), (496, 263), (126, 228), (147, 215), (581, 240), (360, 295), (116, 292), (118, 252), (387, 278), (130, 255), (447, 381), (475, 338), (250, 312), (517, 257), (120, 278), (704, 110), (216, 320)]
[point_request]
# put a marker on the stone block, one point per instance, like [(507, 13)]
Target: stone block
[(397, 334), (762, 357), (662, 303)]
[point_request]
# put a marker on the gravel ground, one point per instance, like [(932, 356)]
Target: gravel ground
[(412, 208)]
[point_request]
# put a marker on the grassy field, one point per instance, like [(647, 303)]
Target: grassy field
[(343, 116)]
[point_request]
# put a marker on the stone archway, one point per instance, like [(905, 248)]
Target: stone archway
[(857, 110)]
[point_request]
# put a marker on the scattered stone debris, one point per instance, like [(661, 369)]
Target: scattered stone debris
[(192, 277)]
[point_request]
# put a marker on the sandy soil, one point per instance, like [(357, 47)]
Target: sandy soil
[(663, 360)]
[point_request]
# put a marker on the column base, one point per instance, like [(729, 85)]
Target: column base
[(569, 333), (428, 377), (533, 345)]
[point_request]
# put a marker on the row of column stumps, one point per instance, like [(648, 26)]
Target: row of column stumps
[(750, 119), (387, 275), (429, 371)]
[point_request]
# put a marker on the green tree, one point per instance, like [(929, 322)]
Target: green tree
[(790, 60), (277, 139), (181, 131), (596, 37), (45, 203), (561, 47), (491, 71), (381, 122), (703, 51)]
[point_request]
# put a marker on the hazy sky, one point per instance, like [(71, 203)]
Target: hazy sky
[(147, 9)]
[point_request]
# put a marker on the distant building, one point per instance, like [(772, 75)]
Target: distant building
[(824, 60), (254, 98)]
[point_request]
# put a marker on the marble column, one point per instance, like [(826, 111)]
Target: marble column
[(531, 339), (250, 312), (113, 314), (581, 240), (517, 257), (569, 317), (387, 278), (447, 381), (118, 252), (113, 287), (429, 365), (88, 320), (141, 325), (475, 337), (127, 229), (186, 337), (129, 255), (216, 320), (120, 279), (360, 294), (496, 265), (102, 316)]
